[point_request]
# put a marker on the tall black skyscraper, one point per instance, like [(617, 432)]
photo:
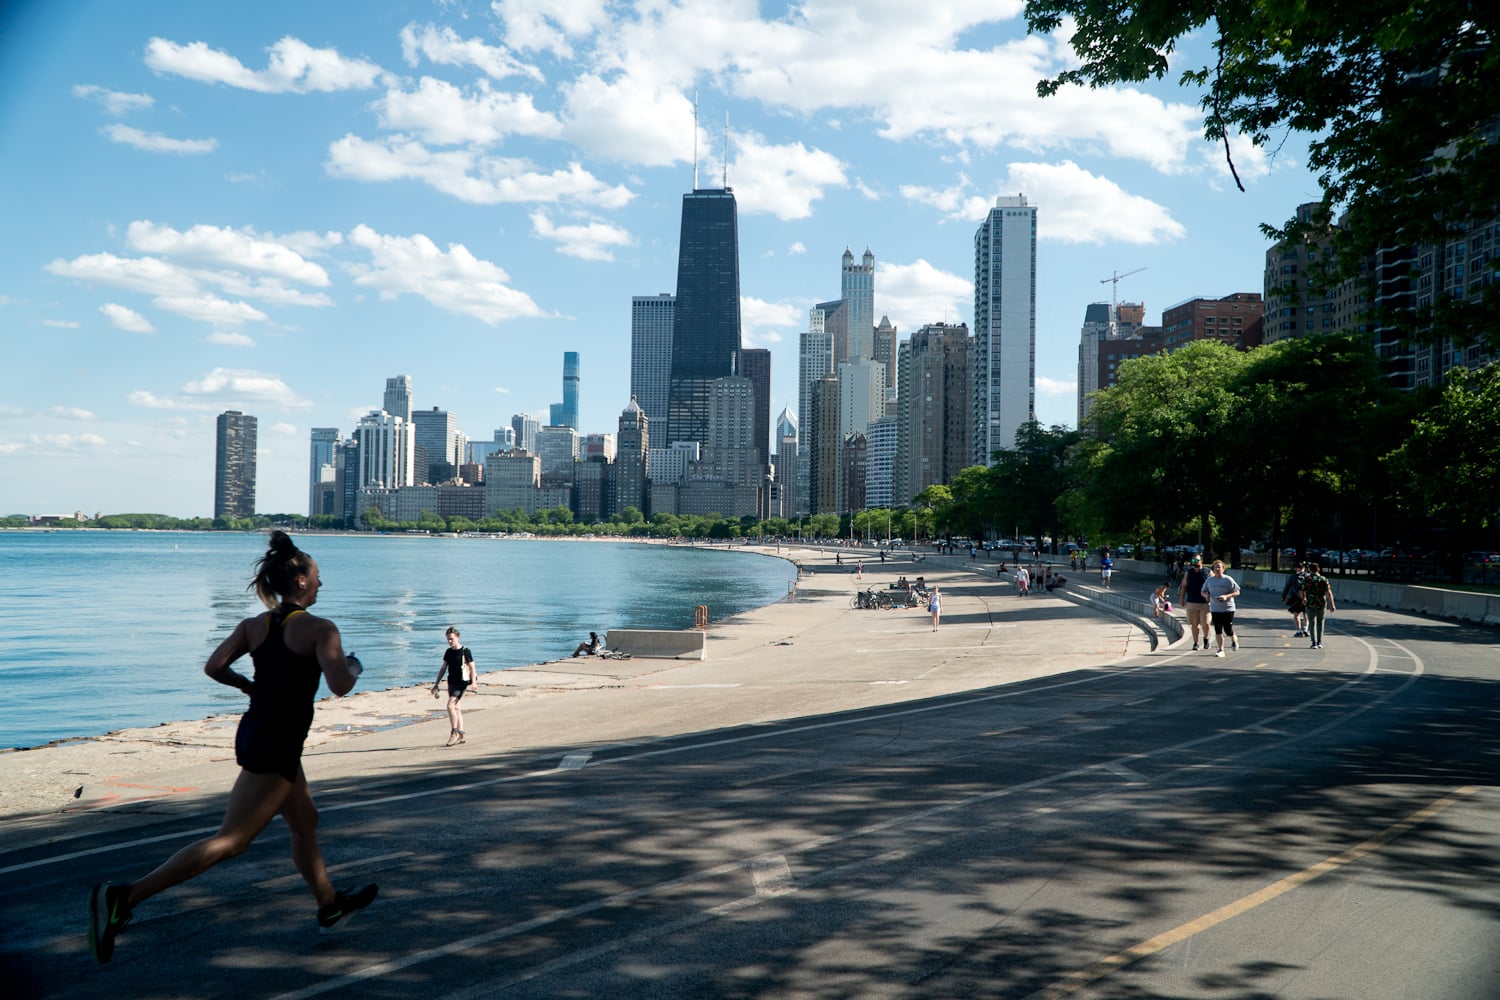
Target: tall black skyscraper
[(706, 333)]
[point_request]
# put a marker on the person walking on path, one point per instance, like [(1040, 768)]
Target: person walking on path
[(291, 650), (1106, 567), (458, 664), (1190, 596), (1221, 590), (935, 605), (1023, 581), (1317, 594), (1291, 596)]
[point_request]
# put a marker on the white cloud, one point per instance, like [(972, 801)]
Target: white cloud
[(443, 114), (467, 175), (917, 293), (70, 413), (65, 442), (1075, 206), (126, 319), (445, 47), (293, 67), (234, 248), (113, 101), (454, 280), (1081, 207), (138, 274), (11, 447), (155, 142), (209, 308), (762, 323), (240, 385), (781, 180), (797, 249), (502, 390), (591, 241), (61, 324), (549, 26), (631, 119), (289, 430), (229, 338), (1055, 387), (151, 401)]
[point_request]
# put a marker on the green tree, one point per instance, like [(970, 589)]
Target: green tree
[(1398, 99), (1450, 463), (1027, 482)]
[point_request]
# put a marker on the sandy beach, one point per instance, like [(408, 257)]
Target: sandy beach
[(803, 656)]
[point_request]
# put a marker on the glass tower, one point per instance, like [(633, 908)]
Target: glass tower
[(706, 333), (1004, 371), (234, 465)]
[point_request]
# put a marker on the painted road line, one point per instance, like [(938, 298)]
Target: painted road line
[(1076, 981)]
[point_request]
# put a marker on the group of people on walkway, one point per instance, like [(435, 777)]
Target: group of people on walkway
[(1208, 598)]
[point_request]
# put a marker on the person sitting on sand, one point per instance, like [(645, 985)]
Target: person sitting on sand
[(589, 648)]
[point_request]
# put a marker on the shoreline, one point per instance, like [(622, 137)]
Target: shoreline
[(805, 655), (197, 708)]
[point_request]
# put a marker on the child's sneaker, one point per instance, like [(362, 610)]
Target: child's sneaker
[(109, 913), (346, 903)]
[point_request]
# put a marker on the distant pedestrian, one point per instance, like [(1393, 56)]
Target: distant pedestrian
[(1190, 596), (1023, 581), (859, 570), (1291, 596), (292, 651), (1317, 594), (934, 605), (458, 664), (1221, 590), (1106, 567)]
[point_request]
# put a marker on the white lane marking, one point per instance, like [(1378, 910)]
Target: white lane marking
[(770, 732), (574, 761), (281, 880), (773, 876), (818, 843)]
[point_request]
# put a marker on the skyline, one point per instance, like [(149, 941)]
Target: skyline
[(273, 210)]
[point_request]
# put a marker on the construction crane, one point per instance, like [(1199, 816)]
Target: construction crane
[(1114, 303)]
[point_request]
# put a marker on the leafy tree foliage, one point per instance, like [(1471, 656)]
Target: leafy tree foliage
[(1449, 465), (1398, 99)]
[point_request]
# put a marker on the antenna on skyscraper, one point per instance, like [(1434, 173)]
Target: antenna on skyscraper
[(726, 150), (695, 138)]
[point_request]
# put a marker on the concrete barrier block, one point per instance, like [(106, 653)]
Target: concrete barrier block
[(666, 644)]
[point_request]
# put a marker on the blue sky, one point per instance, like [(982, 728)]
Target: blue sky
[(272, 207)]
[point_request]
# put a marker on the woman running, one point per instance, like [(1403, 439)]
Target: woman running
[(291, 650)]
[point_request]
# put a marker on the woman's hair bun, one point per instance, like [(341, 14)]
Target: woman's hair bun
[(282, 544)]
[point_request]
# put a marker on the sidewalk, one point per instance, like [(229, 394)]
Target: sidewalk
[(808, 655)]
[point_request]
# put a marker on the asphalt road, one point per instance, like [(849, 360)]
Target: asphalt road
[(1281, 823)]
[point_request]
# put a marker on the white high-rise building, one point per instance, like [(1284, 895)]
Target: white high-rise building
[(652, 320), (385, 451), (397, 401), (526, 428), (1004, 392), (857, 288), (815, 361)]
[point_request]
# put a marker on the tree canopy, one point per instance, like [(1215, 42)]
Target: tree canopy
[(1398, 99)]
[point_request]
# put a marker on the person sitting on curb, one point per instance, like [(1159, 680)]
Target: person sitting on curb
[(589, 648)]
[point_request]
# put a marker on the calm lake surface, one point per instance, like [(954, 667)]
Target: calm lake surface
[(105, 630)]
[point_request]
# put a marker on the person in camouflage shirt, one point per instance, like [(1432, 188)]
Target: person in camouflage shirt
[(1317, 594)]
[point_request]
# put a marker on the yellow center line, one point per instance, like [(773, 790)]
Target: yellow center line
[(1077, 980)]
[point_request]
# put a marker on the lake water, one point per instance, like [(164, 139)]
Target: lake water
[(105, 630)]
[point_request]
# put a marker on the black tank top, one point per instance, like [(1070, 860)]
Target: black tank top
[(286, 683)]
